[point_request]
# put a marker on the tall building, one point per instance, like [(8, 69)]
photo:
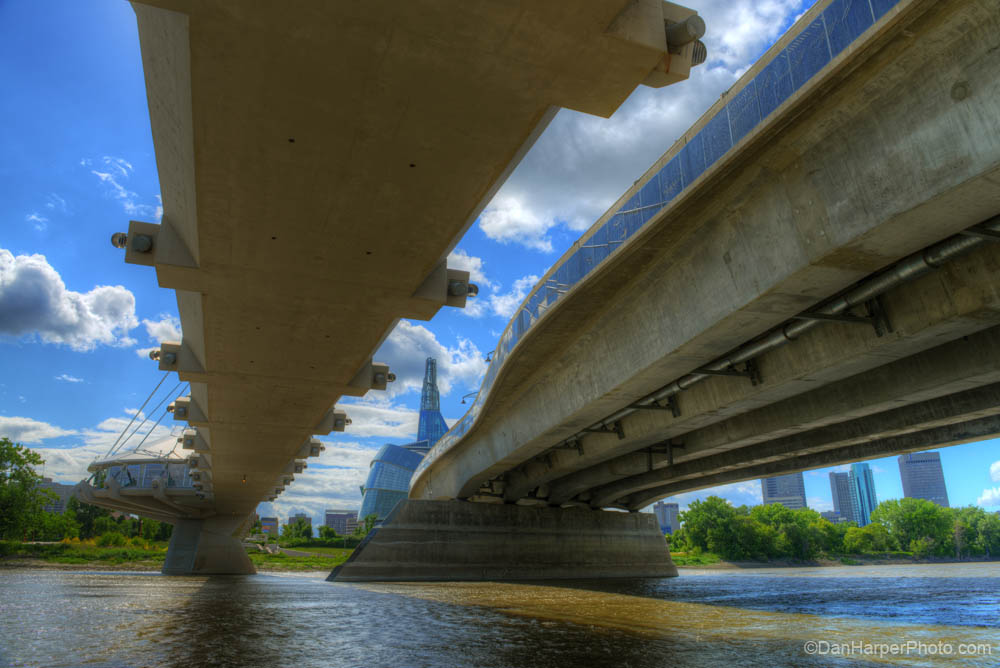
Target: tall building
[(862, 493), (344, 522), (666, 515), (301, 516), (432, 425), (269, 525), (923, 477), (788, 490), (63, 494), (390, 471), (843, 497)]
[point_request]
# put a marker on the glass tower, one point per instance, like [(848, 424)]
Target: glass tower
[(863, 492), (923, 477), (843, 499), (390, 471)]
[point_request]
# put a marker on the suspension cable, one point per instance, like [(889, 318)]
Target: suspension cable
[(113, 445)]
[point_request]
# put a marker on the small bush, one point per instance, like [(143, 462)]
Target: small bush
[(111, 539)]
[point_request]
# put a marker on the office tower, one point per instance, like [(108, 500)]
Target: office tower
[(923, 477), (344, 522), (788, 490), (843, 498), (432, 425), (666, 516), (269, 525), (863, 493)]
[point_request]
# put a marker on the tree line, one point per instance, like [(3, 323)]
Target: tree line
[(22, 500), (913, 526)]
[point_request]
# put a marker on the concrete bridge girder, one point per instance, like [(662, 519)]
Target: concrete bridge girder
[(878, 166), (957, 300), (952, 434)]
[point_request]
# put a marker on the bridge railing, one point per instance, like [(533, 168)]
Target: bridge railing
[(821, 35)]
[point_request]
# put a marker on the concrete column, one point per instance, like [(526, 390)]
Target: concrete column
[(207, 547), (459, 540)]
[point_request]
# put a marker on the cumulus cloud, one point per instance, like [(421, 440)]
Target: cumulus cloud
[(581, 164), (382, 419), (995, 471), (409, 345), (65, 377), (34, 301), (113, 173), (990, 498), (28, 431), (505, 304), (459, 259), (746, 493)]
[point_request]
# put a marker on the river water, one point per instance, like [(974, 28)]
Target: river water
[(946, 614)]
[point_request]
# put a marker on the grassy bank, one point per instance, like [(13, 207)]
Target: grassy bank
[(140, 555)]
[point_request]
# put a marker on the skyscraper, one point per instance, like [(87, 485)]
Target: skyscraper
[(390, 471), (666, 516), (923, 477), (863, 493), (788, 490), (432, 425), (843, 497), (344, 522)]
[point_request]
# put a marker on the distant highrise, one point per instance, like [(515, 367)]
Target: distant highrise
[(666, 516), (301, 516), (344, 522), (390, 471), (843, 498), (863, 493), (923, 477), (63, 493), (788, 490)]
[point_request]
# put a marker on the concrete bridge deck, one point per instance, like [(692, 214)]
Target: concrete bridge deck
[(836, 171)]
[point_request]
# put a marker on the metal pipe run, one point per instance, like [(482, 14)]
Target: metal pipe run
[(907, 269)]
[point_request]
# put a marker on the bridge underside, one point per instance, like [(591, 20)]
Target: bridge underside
[(867, 210)]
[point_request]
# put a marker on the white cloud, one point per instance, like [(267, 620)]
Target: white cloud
[(27, 430), (818, 504), (167, 328), (116, 172), (56, 203), (34, 301), (383, 419), (505, 304), (39, 222), (409, 345), (68, 378), (459, 259), (990, 498), (581, 164), (995, 471), (746, 493)]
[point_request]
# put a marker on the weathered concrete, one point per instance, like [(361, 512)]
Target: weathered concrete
[(874, 162), (318, 161), (207, 547), (456, 540)]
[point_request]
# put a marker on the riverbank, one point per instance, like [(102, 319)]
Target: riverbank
[(85, 556), (712, 562)]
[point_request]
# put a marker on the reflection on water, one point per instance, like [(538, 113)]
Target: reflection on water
[(751, 618)]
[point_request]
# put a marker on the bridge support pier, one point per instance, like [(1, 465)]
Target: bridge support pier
[(459, 540), (207, 547)]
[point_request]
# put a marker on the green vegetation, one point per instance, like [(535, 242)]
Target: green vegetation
[(283, 562), (900, 527), (694, 558), (299, 536), (74, 551)]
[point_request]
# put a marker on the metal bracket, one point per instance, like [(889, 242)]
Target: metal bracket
[(575, 444), (981, 232), (874, 315), (665, 447), (671, 406), (750, 371), (616, 428)]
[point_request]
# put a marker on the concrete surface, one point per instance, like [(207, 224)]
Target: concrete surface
[(456, 540)]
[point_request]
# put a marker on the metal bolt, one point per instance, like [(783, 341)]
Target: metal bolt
[(142, 243), (169, 358), (380, 378), (119, 239), (458, 288), (391, 377), (686, 31), (154, 355)]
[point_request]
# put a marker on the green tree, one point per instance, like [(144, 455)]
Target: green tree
[(869, 539), (364, 527), (328, 533), (908, 520), (85, 515), (21, 499), (297, 531)]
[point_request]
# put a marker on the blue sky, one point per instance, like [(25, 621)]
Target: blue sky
[(75, 320)]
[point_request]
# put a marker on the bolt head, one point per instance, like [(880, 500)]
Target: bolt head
[(119, 239), (142, 243)]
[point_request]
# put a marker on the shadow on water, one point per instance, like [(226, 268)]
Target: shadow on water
[(115, 619)]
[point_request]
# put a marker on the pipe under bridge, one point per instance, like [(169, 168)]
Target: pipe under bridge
[(810, 276)]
